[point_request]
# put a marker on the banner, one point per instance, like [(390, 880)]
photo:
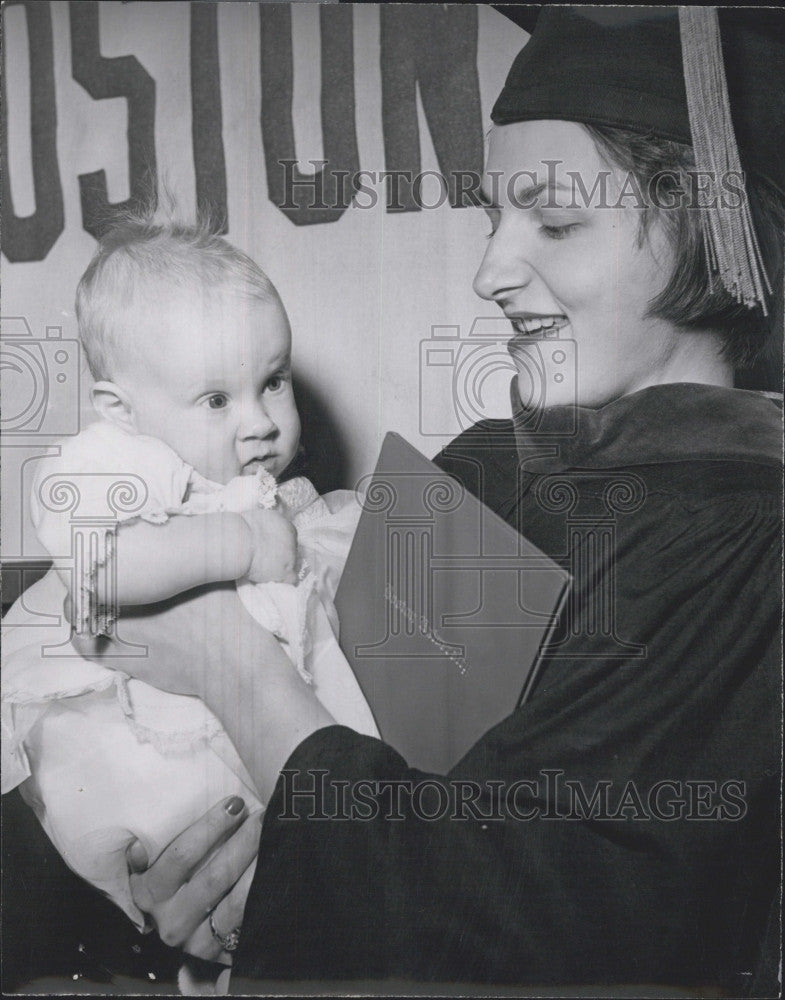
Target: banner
[(335, 144)]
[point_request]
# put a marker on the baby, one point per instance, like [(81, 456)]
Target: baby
[(176, 486)]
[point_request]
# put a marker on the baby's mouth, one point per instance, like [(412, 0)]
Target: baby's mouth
[(252, 466)]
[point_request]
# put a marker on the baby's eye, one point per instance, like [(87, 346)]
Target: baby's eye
[(217, 401), (274, 383)]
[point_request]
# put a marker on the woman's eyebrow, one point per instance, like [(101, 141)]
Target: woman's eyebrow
[(525, 196), (530, 192)]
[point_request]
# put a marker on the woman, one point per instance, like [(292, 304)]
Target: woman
[(641, 844)]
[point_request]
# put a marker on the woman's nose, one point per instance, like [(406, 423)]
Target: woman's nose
[(256, 422), (504, 268)]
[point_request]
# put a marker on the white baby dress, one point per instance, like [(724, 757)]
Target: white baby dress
[(104, 759)]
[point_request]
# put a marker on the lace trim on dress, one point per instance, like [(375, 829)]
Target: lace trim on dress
[(297, 496), (166, 741), (238, 495)]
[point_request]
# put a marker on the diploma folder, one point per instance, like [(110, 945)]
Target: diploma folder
[(444, 609)]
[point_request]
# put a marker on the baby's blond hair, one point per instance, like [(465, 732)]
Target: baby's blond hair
[(138, 252)]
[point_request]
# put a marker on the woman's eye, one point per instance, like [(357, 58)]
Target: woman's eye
[(493, 218), (558, 232), (217, 401)]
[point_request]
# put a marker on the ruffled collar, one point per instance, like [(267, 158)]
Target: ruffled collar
[(680, 422)]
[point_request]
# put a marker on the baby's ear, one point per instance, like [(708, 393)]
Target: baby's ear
[(113, 404)]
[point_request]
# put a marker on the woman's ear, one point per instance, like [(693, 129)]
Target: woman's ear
[(113, 404)]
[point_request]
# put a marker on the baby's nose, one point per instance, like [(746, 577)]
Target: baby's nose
[(256, 422)]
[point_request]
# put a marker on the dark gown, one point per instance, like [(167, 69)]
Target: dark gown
[(660, 695)]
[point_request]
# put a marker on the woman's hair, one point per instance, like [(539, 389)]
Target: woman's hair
[(693, 297), (138, 253)]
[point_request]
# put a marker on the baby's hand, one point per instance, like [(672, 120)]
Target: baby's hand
[(274, 547)]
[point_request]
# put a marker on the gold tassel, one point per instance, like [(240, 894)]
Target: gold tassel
[(731, 245)]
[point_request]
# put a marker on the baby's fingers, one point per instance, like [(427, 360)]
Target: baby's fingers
[(290, 575)]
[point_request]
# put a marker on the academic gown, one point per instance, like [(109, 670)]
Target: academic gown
[(661, 689)]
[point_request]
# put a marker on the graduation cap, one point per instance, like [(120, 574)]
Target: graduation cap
[(714, 80)]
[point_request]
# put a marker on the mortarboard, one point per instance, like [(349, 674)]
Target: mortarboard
[(715, 80)]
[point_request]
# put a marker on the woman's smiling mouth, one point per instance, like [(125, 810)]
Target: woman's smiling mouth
[(532, 324), (529, 326)]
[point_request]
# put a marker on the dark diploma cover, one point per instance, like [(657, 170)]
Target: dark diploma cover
[(444, 609)]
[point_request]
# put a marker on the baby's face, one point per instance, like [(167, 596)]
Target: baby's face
[(215, 383)]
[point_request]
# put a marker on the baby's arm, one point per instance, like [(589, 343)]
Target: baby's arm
[(140, 561), (156, 561)]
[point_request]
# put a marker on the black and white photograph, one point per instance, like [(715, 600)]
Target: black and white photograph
[(392, 501)]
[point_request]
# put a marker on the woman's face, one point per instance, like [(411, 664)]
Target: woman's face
[(569, 266)]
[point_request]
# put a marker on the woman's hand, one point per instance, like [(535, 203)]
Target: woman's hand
[(206, 644), (185, 641), (178, 894)]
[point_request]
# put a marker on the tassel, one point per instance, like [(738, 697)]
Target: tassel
[(731, 245)]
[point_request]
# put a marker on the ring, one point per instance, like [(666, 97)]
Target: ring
[(230, 941)]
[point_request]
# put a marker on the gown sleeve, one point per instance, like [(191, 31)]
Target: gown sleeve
[(619, 827)]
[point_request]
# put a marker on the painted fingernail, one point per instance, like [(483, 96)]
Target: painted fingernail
[(235, 805)]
